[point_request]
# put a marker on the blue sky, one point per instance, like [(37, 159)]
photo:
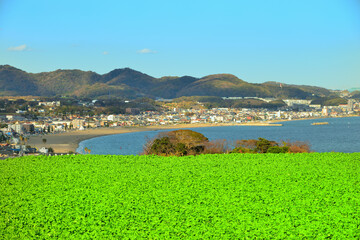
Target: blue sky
[(312, 42)]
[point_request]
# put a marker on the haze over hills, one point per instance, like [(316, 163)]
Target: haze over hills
[(129, 83)]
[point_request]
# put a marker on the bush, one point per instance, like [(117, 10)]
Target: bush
[(217, 146), (277, 149), (263, 145), (249, 144), (187, 142), (242, 150), (298, 147)]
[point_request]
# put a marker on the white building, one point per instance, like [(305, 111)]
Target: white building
[(19, 128), (50, 104), (292, 102), (113, 118)]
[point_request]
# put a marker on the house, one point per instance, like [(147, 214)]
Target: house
[(28, 128), (44, 150), (77, 123), (19, 128)]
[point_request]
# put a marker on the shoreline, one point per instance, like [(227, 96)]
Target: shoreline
[(66, 142), (69, 141)]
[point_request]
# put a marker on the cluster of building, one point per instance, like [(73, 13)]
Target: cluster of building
[(17, 126), (296, 109)]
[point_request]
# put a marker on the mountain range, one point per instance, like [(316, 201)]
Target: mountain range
[(129, 83)]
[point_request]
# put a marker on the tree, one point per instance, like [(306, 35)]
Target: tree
[(262, 145), (179, 143), (162, 146), (44, 140)]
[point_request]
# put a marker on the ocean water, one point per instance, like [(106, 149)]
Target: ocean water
[(340, 135)]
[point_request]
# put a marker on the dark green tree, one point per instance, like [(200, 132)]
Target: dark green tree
[(262, 145), (162, 146), (277, 149)]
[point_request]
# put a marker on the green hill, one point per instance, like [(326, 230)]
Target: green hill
[(129, 77), (64, 81), (355, 94), (223, 85), (169, 87), (282, 90), (15, 82), (132, 84)]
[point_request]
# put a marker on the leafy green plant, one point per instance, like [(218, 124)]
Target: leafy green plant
[(216, 196)]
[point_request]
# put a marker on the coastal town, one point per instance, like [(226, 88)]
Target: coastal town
[(37, 118)]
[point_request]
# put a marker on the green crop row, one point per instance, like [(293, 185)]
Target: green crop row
[(226, 196)]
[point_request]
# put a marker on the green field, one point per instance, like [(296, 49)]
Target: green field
[(227, 196)]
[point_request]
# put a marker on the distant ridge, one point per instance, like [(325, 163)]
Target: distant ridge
[(354, 89), (130, 83)]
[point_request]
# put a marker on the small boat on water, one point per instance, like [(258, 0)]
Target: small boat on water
[(320, 123)]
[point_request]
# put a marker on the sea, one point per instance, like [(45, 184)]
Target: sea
[(340, 135)]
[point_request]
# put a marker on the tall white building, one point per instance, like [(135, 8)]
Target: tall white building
[(350, 105)]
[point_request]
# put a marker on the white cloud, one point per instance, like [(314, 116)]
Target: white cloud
[(105, 53), (19, 48), (146, 51)]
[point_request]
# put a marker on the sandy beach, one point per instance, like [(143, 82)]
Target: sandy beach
[(69, 141)]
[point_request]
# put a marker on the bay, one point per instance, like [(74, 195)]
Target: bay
[(340, 135)]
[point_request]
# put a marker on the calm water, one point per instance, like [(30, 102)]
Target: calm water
[(340, 135)]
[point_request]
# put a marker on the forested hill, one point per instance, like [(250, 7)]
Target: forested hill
[(129, 83)]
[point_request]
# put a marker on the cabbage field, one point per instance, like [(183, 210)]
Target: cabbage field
[(226, 196)]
